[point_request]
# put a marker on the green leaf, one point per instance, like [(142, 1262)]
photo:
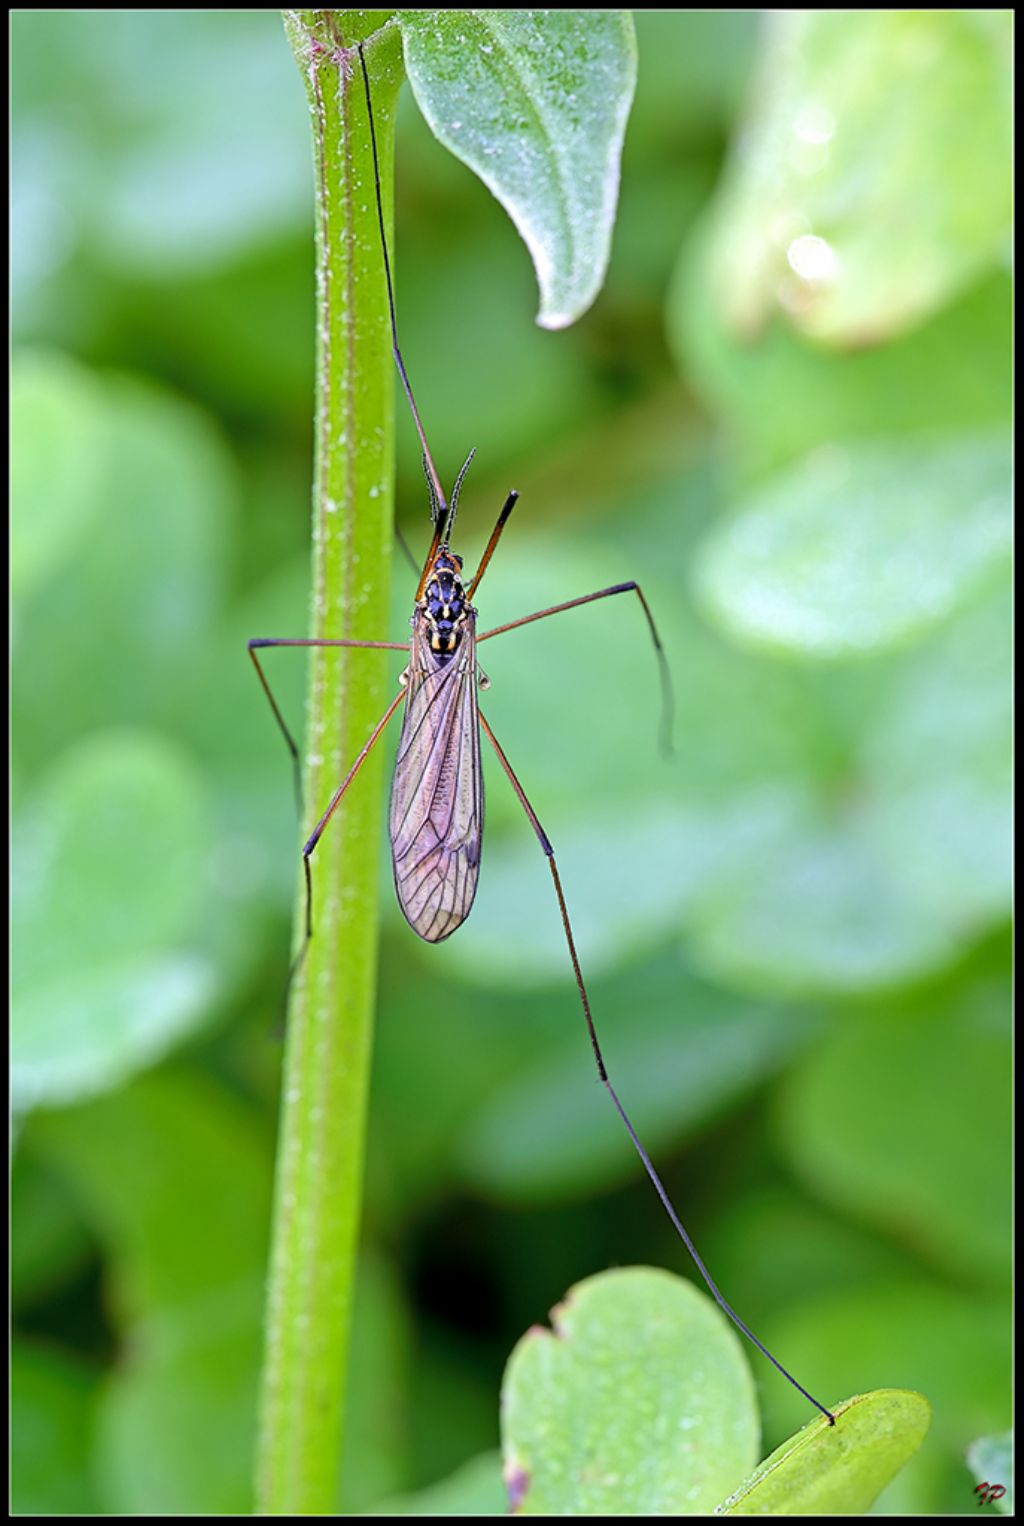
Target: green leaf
[(53, 1419), (174, 1172), (58, 449), (990, 1459), (474, 1489), (535, 102), (109, 857), (118, 632), (375, 1434), (896, 858), (776, 1248), (696, 68), (638, 1402), (780, 395), (865, 1121), (873, 179), (822, 913), (936, 752), (903, 1331), (860, 546), (119, 176), (50, 1244), (680, 1053), (840, 1469)]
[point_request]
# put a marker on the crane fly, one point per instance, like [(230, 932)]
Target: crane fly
[(436, 815)]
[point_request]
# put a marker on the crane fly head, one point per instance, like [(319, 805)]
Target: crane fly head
[(444, 606)]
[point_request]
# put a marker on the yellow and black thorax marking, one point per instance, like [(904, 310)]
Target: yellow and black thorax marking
[(444, 605)]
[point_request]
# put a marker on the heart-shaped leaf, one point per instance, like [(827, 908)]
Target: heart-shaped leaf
[(637, 1402)]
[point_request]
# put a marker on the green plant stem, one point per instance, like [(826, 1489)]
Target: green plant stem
[(327, 1056)]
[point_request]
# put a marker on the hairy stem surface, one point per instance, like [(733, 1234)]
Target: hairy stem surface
[(328, 1047)]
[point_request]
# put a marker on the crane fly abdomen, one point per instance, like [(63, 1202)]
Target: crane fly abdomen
[(437, 793)]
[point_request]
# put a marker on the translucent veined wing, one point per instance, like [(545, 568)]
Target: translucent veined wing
[(437, 792)]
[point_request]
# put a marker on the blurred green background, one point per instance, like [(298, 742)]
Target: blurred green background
[(787, 416)]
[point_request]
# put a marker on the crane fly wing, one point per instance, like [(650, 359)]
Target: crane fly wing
[(437, 796)]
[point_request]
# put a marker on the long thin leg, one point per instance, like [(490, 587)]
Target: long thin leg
[(307, 851), (509, 505), (387, 646), (603, 1073), (667, 695)]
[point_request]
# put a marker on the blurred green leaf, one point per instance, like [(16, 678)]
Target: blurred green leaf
[(535, 102), (936, 1339), (49, 1241), (840, 1469), (860, 546), (53, 1418), (375, 1438), (58, 452), (178, 1424), (108, 858), (117, 635), (937, 754), (225, 718), (680, 1054), (184, 1216), (474, 1489), (638, 1402), (821, 914), (779, 395), (859, 1123), (897, 860), (108, 160), (421, 1095), (696, 65), (453, 1389), (990, 1459), (774, 1247), (185, 1221), (872, 181), (186, 1213)]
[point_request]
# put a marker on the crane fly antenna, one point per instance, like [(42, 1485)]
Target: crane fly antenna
[(443, 517), (432, 477), (454, 505), (436, 510)]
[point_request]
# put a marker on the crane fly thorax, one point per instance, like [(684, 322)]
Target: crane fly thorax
[(444, 608)]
